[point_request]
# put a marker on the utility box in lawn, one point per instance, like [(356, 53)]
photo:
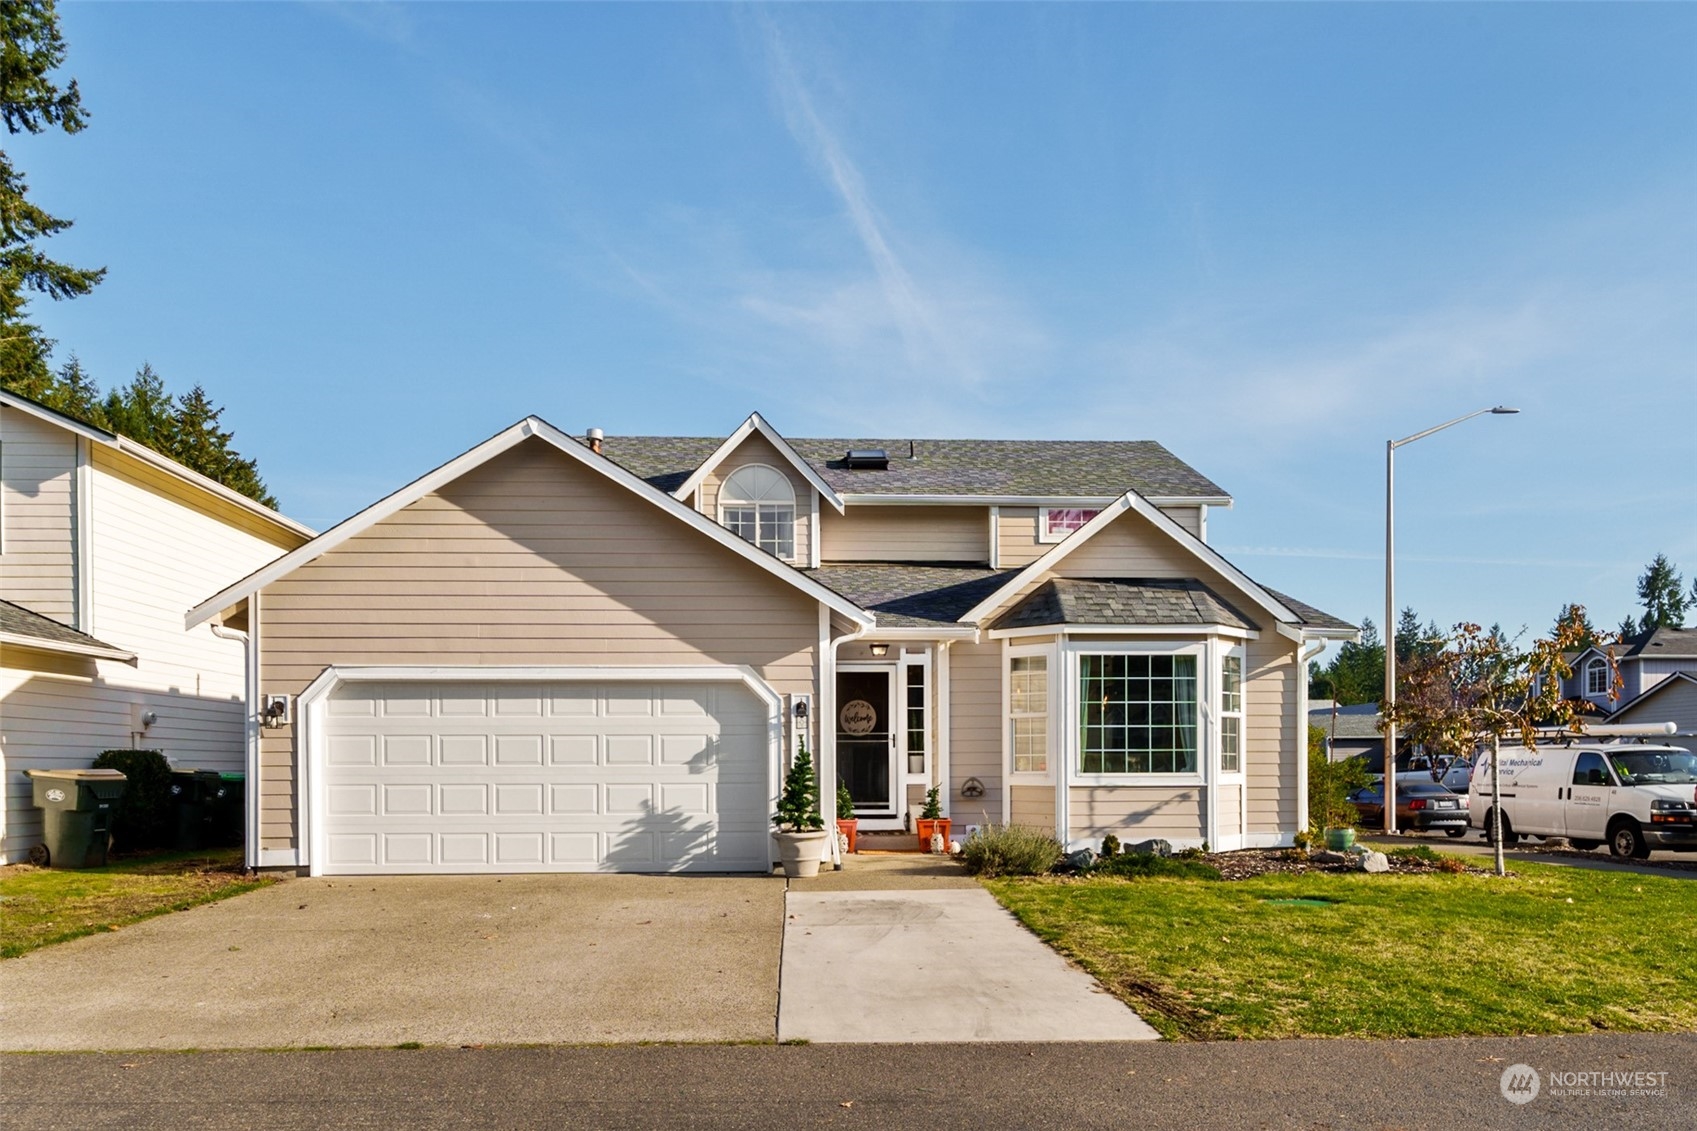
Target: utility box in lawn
[(77, 807)]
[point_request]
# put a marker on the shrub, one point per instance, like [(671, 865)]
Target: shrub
[(798, 805), (146, 815), (1137, 867), (1330, 784), (845, 803), (1454, 865), (1419, 852), (933, 810), (1010, 850), (1110, 846)]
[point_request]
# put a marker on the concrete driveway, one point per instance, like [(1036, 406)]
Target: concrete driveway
[(442, 960)]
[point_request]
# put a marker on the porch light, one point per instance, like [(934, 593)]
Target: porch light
[(880, 650)]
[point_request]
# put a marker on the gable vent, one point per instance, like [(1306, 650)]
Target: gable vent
[(867, 459)]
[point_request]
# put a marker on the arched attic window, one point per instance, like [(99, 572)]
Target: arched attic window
[(1597, 677), (758, 503)]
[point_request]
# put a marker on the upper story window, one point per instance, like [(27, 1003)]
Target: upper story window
[(758, 503), (1597, 677), (1055, 523)]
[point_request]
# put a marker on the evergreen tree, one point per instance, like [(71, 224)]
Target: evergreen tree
[(199, 443), (1586, 631), (143, 411), (1356, 674), (1662, 593), (1628, 627), (73, 392), (30, 100)]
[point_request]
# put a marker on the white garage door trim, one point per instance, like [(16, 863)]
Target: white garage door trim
[(311, 826)]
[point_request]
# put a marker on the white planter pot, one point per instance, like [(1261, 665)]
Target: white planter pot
[(801, 852)]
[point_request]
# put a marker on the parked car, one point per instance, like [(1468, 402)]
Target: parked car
[(1421, 804), (1455, 774), (1633, 797), (1407, 762)]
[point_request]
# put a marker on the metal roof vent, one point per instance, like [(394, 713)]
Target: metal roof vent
[(867, 459)]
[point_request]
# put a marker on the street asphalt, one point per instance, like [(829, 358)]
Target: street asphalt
[(1339, 1084)]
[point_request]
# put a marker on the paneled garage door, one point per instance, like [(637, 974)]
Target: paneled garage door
[(563, 777)]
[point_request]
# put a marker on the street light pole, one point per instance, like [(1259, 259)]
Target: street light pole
[(1390, 598)]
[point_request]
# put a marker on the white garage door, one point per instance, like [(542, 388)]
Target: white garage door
[(560, 777)]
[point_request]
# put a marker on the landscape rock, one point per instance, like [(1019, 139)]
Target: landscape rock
[(1326, 856), (1374, 862), (1149, 848)]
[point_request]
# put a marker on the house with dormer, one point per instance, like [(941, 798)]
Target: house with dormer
[(600, 653)]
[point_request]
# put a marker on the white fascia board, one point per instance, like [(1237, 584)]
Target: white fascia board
[(1132, 501), (530, 426), (757, 423), (861, 499), (67, 647), (1303, 632), (942, 632), (152, 458), (1162, 630)]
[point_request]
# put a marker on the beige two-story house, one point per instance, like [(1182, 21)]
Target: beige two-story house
[(103, 542), (557, 653)]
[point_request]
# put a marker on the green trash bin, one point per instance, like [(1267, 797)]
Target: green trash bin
[(77, 815), (191, 791), (225, 809)]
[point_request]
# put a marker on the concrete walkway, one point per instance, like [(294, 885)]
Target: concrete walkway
[(871, 956)]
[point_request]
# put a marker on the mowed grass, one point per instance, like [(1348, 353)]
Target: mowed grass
[(1548, 950), (42, 906)]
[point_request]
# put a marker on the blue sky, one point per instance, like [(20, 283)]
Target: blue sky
[(1270, 236)]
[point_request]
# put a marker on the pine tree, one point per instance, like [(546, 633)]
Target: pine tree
[(31, 101), (198, 443), (143, 411), (1662, 593), (1587, 632)]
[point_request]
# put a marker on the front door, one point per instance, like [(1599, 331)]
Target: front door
[(866, 745)]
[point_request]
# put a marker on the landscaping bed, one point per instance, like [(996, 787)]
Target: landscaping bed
[(1305, 951), (1249, 863), (42, 906)]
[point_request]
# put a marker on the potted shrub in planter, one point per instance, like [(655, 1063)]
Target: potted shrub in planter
[(801, 830), (848, 825), (931, 821)]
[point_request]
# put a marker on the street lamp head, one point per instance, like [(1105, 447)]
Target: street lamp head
[(1502, 410)]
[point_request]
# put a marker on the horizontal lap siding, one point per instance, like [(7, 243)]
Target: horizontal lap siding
[(1229, 816), (975, 714), (1033, 807), (1135, 812), (1676, 704), (530, 559), (1270, 753), (757, 449), (1016, 537), (871, 533), (1188, 517), (38, 466)]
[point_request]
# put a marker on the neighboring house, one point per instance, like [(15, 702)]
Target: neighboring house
[(103, 543), (554, 654), (1350, 730), (1670, 700), (1646, 661)]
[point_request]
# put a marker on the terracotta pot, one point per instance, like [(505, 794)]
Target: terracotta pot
[(929, 825), (850, 828), (800, 852)]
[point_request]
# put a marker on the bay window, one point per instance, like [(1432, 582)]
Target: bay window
[(1231, 713), (1137, 713), (1028, 713)]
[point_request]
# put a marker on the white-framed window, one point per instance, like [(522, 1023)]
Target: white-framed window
[(914, 716), (1028, 713), (1138, 714), (757, 503), (1055, 523), (1597, 676), (1231, 712)]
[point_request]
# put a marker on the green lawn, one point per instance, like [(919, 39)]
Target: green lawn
[(1548, 950), (41, 906)]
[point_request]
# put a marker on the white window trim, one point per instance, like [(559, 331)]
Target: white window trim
[(1056, 709), (794, 504), (1239, 776), (1597, 663), (1043, 533), (922, 661), (1207, 720)]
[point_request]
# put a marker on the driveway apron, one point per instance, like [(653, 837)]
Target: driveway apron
[(932, 965), (440, 960)]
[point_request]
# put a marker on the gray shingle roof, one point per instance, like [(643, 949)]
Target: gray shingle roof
[(1309, 614), (1661, 642), (1050, 469), (15, 620), (1358, 720), (1132, 600), (912, 594)]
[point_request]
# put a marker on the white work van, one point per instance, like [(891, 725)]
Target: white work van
[(1633, 797)]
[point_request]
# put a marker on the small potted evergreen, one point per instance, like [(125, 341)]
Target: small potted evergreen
[(801, 830), (848, 826), (931, 821)]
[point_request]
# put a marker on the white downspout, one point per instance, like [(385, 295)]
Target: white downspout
[(1303, 656), (250, 733)]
